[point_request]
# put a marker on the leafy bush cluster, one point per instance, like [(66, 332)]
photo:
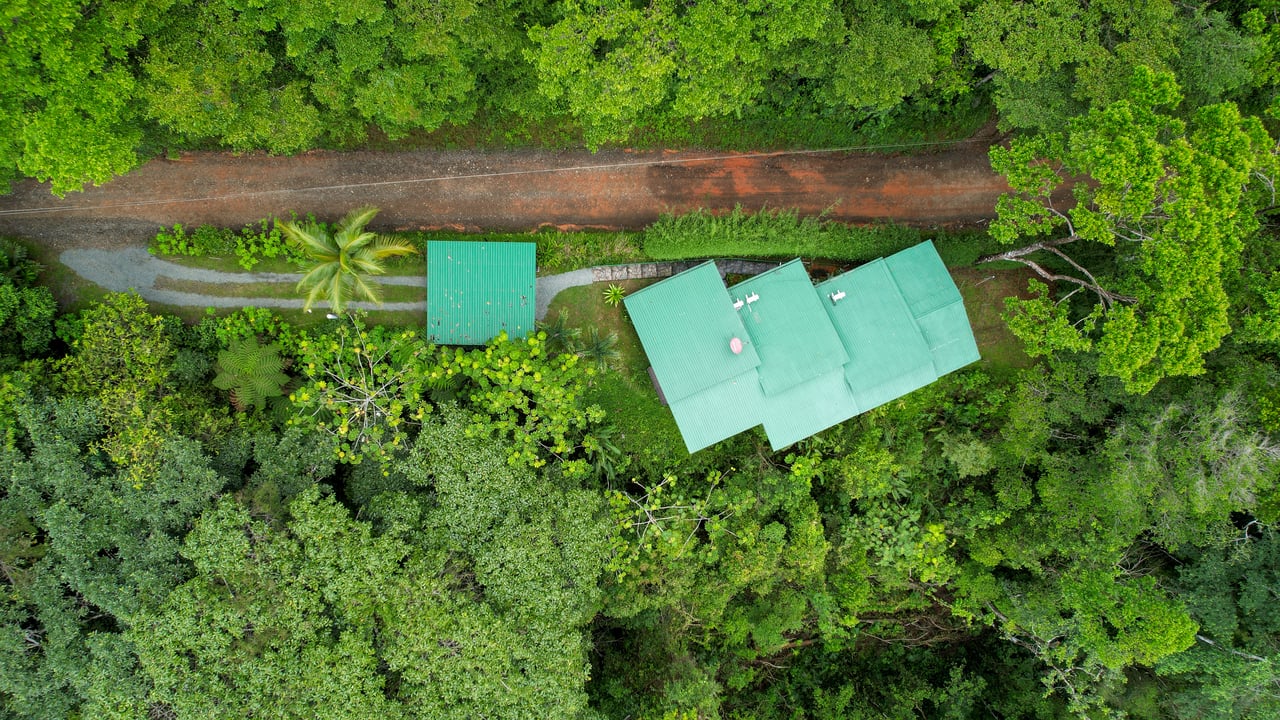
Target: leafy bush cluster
[(26, 310), (251, 244)]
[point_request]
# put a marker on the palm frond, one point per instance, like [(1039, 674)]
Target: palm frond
[(599, 349), (343, 257), (561, 337), (354, 221), (311, 238), (365, 265), (365, 290), (384, 247), (316, 281)]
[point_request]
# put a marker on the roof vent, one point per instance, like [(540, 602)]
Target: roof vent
[(752, 298), (736, 346), (836, 297), (737, 304)]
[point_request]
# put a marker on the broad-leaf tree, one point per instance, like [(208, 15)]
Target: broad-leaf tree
[(1161, 212), (365, 387), (343, 258), (85, 547)]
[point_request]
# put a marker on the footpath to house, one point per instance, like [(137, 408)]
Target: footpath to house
[(136, 269)]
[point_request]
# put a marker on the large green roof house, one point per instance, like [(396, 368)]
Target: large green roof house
[(775, 350)]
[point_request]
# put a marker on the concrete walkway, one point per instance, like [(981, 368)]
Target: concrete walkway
[(136, 269)]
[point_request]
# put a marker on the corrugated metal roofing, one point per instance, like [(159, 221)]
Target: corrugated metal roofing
[(946, 330), (936, 304), (685, 324), (475, 290), (808, 409), (779, 309), (923, 278), (721, 411), (889, 355), (813, 356)]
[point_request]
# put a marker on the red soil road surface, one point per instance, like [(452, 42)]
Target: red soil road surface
[(509, 190)]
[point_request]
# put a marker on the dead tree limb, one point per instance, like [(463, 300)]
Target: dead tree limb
[(1088, 282)]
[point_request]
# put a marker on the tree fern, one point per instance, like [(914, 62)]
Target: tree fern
[(15, 267), (253, 373)]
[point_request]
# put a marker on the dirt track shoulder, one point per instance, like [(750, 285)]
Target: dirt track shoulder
[(508, 191)]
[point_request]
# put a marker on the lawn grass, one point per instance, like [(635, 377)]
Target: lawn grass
[(414, 265), (646, 430), (984, 290), (585, 307), (252, 290)]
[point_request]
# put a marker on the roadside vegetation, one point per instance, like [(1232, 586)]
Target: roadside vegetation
[(94, 89), (1016, 529)]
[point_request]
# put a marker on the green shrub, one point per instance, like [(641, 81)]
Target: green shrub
[(265, 240), (250, 245), (770, 234), (173, 242)]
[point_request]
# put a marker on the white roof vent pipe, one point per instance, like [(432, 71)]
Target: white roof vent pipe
[(752, 298), (836, 297)]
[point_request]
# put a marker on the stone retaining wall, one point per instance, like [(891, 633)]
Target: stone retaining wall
[(639, 271)]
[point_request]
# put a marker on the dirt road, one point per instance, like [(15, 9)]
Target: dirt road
[(516, 191)]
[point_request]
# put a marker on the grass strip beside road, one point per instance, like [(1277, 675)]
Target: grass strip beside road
[(249, 291), (228, 264)]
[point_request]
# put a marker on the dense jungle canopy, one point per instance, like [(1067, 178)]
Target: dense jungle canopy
[(243, 517), (91, 87)]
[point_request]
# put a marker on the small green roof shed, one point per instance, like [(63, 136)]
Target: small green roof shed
[(476, 290)]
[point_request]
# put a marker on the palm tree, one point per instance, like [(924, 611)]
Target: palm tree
[(343, 258), (560, 337), (599, 349)]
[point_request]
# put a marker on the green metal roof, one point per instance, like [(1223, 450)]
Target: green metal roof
[(936, 304), (923, 279), (808, 409), (889, 356), (812, 356), (720, 411), (686, 323), (475, 290), (943, 330), (779, 309)]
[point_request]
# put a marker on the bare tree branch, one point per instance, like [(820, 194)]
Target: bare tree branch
[(1089, 282)]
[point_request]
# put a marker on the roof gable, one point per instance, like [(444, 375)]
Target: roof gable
[(788, 327), (889, 356), (686, 323)]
